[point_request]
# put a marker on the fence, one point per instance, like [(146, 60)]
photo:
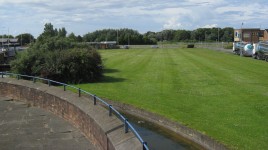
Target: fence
[(111, 109)]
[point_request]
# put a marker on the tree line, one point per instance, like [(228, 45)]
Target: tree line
[(133, 37)]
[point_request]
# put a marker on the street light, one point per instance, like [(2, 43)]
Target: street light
[(241, 34), (8, 38), (2, 36), (205, 38), (218, 34)]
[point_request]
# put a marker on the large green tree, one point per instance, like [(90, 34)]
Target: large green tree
[(54, 56), (25, 38), (123, 36)]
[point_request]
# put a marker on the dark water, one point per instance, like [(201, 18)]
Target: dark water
[(159, 138)]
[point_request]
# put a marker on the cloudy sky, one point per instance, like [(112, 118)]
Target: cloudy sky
[(83, 16)]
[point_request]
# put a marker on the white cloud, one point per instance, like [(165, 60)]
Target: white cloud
[(172, 24), (210, 26), (145, 15), (45, 20)]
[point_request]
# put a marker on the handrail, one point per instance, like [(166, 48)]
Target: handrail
[(111, 109)]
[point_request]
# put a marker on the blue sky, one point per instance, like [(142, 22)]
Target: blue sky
[(83, 16)]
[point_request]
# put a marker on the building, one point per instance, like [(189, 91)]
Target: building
[(108, 45), (5, 42), (265, 35), (104, 45), (250, 35)]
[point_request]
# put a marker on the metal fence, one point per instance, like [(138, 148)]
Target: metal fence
[(128, 126)]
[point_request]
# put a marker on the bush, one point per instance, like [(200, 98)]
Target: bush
[(190, 46), (228, 46), (69, 66), (54, 56)]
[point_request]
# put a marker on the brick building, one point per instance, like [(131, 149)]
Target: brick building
[(265, 35), (251, 35)]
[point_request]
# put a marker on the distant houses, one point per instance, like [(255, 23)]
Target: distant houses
[(5, 42), (251, 35), (104, 44), (7, 49)]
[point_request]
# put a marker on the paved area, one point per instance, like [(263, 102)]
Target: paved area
[(29, 128)]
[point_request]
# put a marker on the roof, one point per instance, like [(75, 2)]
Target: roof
[(249, 29), (13, 40), (108, 42), (5, 40)]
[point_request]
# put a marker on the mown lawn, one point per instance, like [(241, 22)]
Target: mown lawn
[(219, 94)]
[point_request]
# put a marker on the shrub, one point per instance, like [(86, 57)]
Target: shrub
[(190, 46), (71, 66), (228, 46), (54, 56)]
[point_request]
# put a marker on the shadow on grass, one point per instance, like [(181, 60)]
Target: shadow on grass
[(109, 79), (110, 71)]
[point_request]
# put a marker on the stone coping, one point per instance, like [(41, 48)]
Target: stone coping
[(192, 135), (104, 131)]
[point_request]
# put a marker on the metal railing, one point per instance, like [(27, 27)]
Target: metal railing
[(111, 109)]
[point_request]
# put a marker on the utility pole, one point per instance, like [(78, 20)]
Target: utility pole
[(205, 37), (2, 36), (241, 47), (117, 37), (20, 39), (128, 39), (218, 34), (218, 37), (8, 38)]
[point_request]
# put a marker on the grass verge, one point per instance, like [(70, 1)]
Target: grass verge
[(218, 94)]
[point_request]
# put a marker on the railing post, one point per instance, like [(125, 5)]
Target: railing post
[(18, 77), (110, 110), (49, 83), (143, 145), (33, 79), (64, 87), (79, 92), (126, 125), (2, 74), (95, 100)]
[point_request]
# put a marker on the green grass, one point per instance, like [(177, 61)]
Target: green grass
[(221, 95)]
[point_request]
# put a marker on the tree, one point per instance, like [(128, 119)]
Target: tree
[(228, 34), (124, 36), (62, 32), (49, 30), (6, 36), (182, 35), (54, 56), (72, 37), (25, 38)]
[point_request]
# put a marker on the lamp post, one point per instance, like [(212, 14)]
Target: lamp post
[(241, 34), (117, 37), (2, 36), (218, 34), (205, 38), (8, 39)]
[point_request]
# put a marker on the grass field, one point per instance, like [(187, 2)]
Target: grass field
[(219, 94)]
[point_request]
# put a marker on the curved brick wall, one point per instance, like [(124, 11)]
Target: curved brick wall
[(104, 132)]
